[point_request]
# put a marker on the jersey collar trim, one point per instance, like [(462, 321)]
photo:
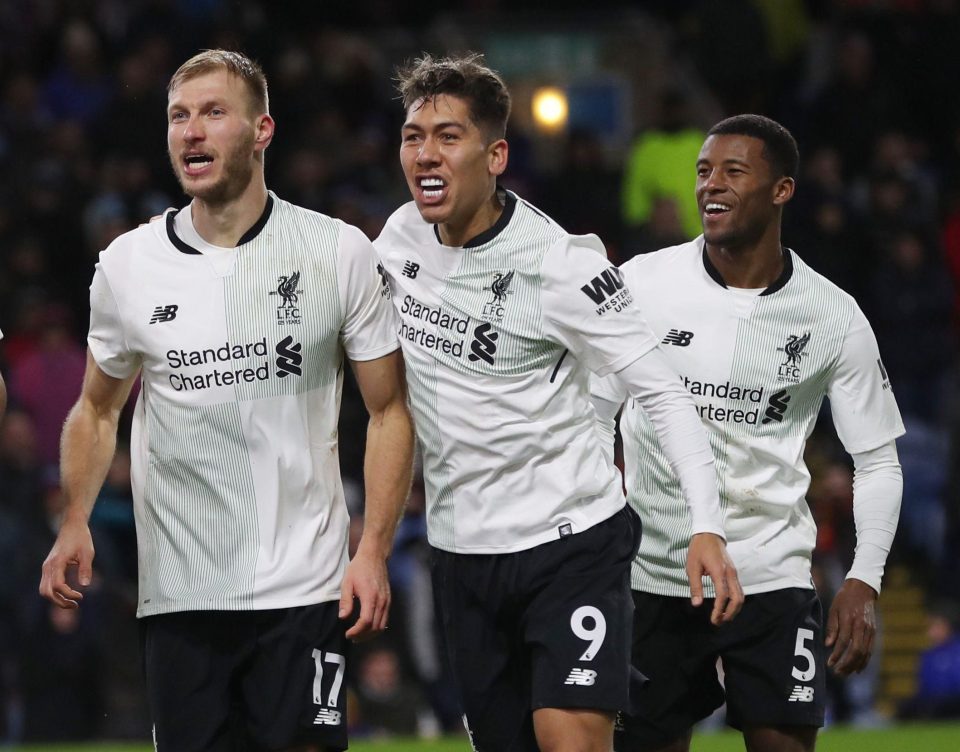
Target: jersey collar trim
[(778, 283), (249, 235), (509, 204)]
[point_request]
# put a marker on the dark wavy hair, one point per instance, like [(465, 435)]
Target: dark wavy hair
[(465, 77)]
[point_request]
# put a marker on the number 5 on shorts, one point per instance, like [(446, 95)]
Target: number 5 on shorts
[(804, 652), (594, 635)]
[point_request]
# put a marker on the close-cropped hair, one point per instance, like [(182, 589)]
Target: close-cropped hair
[(241, 66), (779, 146), (465, 77)]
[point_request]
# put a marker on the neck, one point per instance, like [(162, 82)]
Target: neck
[(485, 217), (223, 224), (750, 266)]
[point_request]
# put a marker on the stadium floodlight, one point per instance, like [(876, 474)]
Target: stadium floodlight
[(550, 108)]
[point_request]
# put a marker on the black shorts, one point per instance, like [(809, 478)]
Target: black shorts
[(773, 662), (247, 680), (548, 627)]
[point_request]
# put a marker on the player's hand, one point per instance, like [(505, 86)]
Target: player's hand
[(851, 627), (73, 548), (707, 555), (366, 580)]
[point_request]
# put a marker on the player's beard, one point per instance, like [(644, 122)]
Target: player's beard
[(236, 176)]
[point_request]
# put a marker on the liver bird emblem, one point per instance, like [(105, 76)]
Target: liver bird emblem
[(287, 289), (501, 283), (794, 348)]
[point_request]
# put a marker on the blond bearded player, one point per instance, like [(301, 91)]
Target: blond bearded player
[(238, 311)]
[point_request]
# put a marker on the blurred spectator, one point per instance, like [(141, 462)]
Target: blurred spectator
[(388, 704), (910, 302), (662, 164), (46, 382), (584, 193), (60, 662), (938, 676)]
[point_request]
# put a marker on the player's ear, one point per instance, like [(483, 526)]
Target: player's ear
[(497, 154), (783, 191), (264, 126)]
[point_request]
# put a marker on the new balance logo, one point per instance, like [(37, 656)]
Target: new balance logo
[(484, 345), (289, 359), (600, 288), (776, 407), (410, 269), (801, 693), (164, 313), (328, 717), (583, 677), (677, 337)]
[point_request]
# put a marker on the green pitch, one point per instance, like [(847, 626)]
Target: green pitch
[(901, 738)]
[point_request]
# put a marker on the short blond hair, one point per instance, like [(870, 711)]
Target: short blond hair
[(241, 66)]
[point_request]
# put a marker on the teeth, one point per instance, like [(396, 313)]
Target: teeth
[(431, 183), (199, 160), (716, 207), (432, 194)]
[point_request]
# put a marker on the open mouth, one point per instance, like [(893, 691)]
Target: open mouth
[(432, 188), (195, 163), (715, 209)]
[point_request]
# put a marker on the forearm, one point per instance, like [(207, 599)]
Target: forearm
[(877, 492), (87, 446), (387, 468), (681, 435)]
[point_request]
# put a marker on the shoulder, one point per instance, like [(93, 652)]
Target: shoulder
[(126, 250), (813, 282), (672, 260), (298, 216), (404, 228)]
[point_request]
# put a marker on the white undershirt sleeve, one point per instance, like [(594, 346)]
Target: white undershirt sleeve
[(877, 492), (606, 423), (652, 381)]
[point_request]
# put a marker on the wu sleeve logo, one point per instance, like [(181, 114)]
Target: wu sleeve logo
[(384, 281), (601, 287), (483, 347), (607, 290), (162, 314), (289, 358)]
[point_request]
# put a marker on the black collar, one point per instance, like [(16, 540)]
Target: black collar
[(509, 204), (249, 235), (778, 283)]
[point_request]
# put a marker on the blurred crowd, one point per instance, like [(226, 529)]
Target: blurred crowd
[(866, 86)]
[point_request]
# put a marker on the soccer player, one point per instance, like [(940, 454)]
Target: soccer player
[(237, 312), (759, 340), (502, 313)]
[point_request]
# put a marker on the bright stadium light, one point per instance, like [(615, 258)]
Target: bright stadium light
[(550, 108)]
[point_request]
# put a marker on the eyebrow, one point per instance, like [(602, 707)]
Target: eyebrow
[(732, 161), (437, 127)]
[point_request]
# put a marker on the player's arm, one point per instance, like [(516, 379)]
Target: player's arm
[(867, 420), (86, 449), (607, 395), (387, 469), (654, 383), (877, 492)]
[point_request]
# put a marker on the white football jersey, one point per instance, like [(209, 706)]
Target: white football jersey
[(497, 337), (758, 364), (236, 475)]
